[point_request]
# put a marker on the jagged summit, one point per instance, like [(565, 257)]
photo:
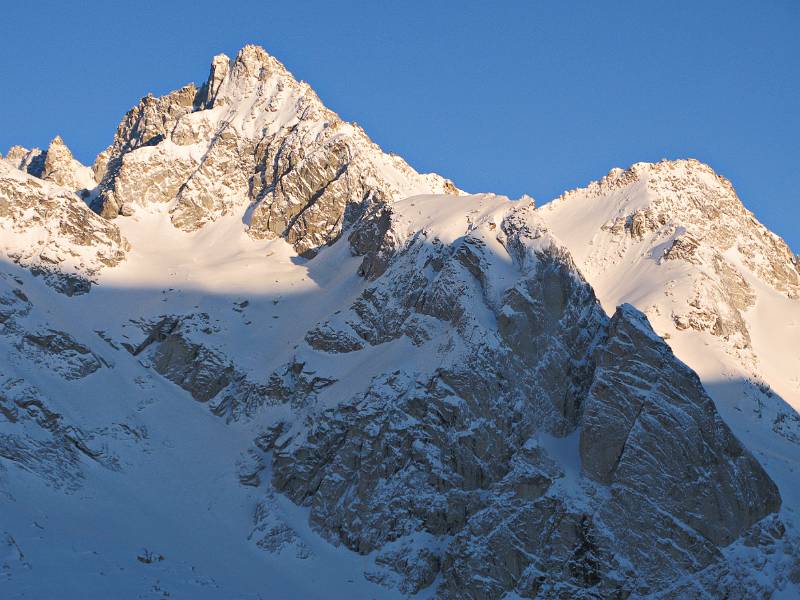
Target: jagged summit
[(252, 63), (62, 169), (48, 229), (56, 164), (30, 161), (685, 225), (255, 143), (657, 179)]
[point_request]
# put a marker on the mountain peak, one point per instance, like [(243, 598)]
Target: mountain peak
[(220, 66), (683, 204), (56, 164), (30, 161), (57, 151), (656, 175), (439, 387), (63, 169), (254, 57), (252, 141), (247, 74)]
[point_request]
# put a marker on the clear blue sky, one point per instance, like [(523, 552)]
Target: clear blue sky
[(511, 97)]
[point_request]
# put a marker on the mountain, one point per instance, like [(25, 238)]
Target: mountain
[(55, 164), (673, 239), (251, 140), (249, 354)]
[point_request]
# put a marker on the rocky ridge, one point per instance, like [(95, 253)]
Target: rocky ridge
[(468, 456), (674, 239), (50, 230), (56, 164), (255, 142), (683, 213)]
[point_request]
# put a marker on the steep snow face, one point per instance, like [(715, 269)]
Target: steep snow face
[(97, 448), (444, 386), (115, 482), (673, 239), (456, 390), (253, 142)]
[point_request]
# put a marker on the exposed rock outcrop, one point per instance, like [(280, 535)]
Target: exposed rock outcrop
[(653, 435), (178, 348), (28, 161), (56, 164), (51, 231), (440, 391), (689, 220), (255, 142), (547, 451), (34, 436), (62, 169)]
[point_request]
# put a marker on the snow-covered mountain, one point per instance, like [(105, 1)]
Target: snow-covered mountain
[(674, 240), (255, 142), (248, 354)]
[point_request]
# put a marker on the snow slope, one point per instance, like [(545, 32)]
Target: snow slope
[(635, 268), (166, 478)]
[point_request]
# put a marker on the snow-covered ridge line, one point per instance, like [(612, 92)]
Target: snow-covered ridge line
[(674, 238), (690, 198)]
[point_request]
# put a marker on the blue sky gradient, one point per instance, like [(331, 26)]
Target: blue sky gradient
[(510, 97)]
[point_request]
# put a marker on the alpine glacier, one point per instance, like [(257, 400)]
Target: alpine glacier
[(248, 354)]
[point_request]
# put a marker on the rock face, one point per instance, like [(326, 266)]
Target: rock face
[(51, 231), (673, 239), (253, 142), (152, 175), (34, 436), (178, 348), (652, 434), (701, 210), (547, 451), (55, 164), (29, 161), (42, 344), (62, 169)]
